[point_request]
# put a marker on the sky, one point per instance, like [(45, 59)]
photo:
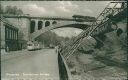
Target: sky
[(61, 9)]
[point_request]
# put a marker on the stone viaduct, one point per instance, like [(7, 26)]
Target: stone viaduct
[(33, 27)]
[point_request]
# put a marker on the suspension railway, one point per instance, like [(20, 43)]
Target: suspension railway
[(113, 13)]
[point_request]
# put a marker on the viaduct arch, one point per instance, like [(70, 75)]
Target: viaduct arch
[(44, 26)]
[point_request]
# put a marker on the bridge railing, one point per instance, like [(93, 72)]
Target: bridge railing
[(64, 72)]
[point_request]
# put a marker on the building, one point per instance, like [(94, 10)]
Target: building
[(9, 35)]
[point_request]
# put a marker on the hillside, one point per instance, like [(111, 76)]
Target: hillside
[(101, 59)]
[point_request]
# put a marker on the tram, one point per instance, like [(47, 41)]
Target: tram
[(33, 46)]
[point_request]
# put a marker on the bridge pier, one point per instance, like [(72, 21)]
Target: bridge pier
[(36, 25)]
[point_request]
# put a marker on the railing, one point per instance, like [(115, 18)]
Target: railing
[(64, 72)]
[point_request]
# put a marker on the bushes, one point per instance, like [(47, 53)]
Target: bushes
[(71, 64)]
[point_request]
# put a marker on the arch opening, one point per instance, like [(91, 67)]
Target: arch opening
[(40, 23), (54, 22), (32, 26), (47, 23)]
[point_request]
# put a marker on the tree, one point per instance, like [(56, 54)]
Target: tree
[(8, 10), (52, 38), (19, 11), (13, 10)]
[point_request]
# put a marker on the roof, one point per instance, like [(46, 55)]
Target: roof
[(4, 20)]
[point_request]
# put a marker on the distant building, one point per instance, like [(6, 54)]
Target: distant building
[(9, 35)]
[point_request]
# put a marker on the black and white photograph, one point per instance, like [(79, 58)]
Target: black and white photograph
[(63, 40)]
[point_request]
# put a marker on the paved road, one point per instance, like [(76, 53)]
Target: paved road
[(40, 64)]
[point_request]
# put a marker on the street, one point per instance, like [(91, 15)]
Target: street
[(39, 64)]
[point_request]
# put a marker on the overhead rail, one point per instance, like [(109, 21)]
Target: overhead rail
[(104, 18)]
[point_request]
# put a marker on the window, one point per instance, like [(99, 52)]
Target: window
[(15, 35), (6, 30), (29, 44), (12, 33), (8, 33)]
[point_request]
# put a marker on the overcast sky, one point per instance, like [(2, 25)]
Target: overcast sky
[(60, 8)]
